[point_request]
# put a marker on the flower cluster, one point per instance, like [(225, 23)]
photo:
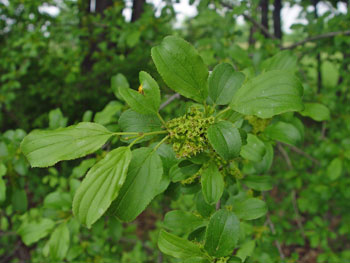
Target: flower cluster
[(188, 133), (258, 124)]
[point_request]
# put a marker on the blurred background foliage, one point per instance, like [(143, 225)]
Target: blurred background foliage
[(57, 60)]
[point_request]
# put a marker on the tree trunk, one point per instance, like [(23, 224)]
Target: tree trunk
[(264, 5), (137, 9), (277, 18)]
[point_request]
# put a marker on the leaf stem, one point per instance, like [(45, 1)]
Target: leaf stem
[(136, 140), (161, 119), (160, 143), (222, 112), (140, 133)]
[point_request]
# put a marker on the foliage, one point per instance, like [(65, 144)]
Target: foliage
[(248, 164)]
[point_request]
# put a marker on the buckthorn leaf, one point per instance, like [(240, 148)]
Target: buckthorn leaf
[(101, 186), (182, 222), (178, 247), (251, 208), (283, 132), (141, 184), (212, 184), (271, 93), (246, 250), (222, 233), (147, 99), (335, 168), (119, 82), (45, 148), (284, 60), (31, 232), (132, 121), (223, 83), (181, 67), (254, 150), (58, 243), (316, 111), (225, 139), (258, 182)]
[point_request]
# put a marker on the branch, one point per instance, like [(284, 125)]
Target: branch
[(252, 20), (285, 155), (318, 37), (296, 211), (168, 101), (299, 151)]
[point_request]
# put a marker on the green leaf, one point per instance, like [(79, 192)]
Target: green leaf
[(271, 93), (101, 186), (56, 119), (196, 260), (182, 222), (141, 184), (249, 209), (118, 82), (316, 111), (225, 139), (284, 60), (246, 250), (177, 247), (109, 113), (265, 164), (59, 242), (254, 150), (222, 233), (132, 121), (34, 231), (147, 101), (258, 182), (182, 68), (212, 184), (223, 83), (45, 148), (334, 169), (202, 207), (284, 132)]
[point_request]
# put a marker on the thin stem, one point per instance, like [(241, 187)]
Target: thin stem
[(136, 140), (140, 133), (222, 112), (160, 143), (161, 119)]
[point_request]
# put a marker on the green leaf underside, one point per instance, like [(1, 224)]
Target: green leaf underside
[(212, 184), (284, 60), (316, 111), (254, 150), (271, 93), (59, 242), (101, 186), (181, 67), (141, 184), (223, 83), (222, 233), (46, 148), (177, 247), (34, 231), (249, 209), (283, 132), (132, 121), (225, 139), (182, 221)]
